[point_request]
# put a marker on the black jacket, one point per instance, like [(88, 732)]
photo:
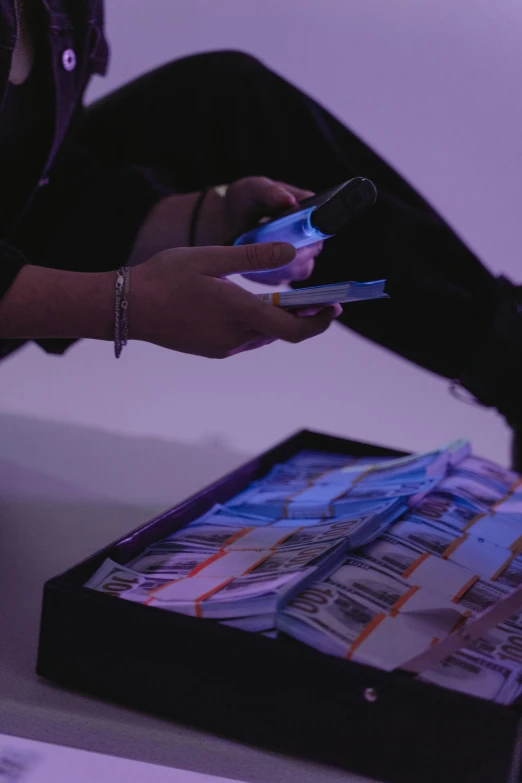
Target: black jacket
[(78, 215)]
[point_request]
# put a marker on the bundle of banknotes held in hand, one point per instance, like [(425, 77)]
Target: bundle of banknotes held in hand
[(376, 560), (323, 295)]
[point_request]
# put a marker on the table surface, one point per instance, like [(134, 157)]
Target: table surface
[(49, 524), (41, 762)]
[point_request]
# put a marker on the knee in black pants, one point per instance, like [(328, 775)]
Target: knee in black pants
[(224, 61), (220, 72)]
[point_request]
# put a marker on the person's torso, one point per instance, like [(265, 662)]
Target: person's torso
[(67, 40)]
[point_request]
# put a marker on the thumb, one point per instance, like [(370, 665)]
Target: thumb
[(223, 261)]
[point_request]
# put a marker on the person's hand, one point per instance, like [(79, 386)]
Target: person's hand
[(246, 201), (179, 300)]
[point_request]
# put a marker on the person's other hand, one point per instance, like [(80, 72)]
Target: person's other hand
[(245, 202), (180, 300)]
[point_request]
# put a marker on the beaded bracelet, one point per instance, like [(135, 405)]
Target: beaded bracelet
[(121, 323)]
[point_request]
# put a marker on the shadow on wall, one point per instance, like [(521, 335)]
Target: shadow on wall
[(136, 471)]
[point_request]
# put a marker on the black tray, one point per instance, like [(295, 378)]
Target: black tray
[(272, 693)]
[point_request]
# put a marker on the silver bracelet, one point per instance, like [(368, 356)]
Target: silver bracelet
[(121, 323)]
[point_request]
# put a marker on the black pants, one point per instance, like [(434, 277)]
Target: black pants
[(213, 118)]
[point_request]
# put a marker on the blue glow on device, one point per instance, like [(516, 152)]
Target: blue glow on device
[(297, 229), (320, 217)]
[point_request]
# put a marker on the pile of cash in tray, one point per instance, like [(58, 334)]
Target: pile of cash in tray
[(372, 559)]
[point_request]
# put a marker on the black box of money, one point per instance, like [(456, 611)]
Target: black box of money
[(273, 693)]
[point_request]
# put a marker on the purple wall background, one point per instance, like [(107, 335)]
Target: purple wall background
[(435, 87)]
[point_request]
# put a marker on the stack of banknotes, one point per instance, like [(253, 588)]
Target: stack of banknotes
[(322, 295), (370, 559)]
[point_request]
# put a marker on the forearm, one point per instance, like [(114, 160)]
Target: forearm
[(50, 303), (168, 225)]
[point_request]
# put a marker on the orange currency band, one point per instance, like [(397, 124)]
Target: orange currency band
[(454, 546), (508, 494), (284, 537), (308, 485), (503, 567), (346, 491), (416, 563), (516, 485), (205, 563), (394, 611), (461, 621), (464, 589), (208, 594), (365, 633), (294, 495), (474, 520), (197, 601), (236, 537), (161, 587), (194, 571), (516, 546), (254, 565)]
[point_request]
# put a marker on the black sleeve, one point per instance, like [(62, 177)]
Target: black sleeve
[(88, 216), (11, 261), (85, 219)]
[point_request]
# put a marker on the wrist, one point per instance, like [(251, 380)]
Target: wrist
[(212, 225), (51, 303), (166, 226)]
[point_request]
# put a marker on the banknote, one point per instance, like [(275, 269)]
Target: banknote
[(474, 594), (353, 530), (511, 575), (251, 595), (322, 460), (402, 552), (321, 295), (476, 676), (414, 466), (444, 511), (306, 466), (381, 589), (339, 621), (123, 582), (484, 558), (369, 558), (465, 487), (483, 496), (328, 494), (486, 471), (502, 644), (320, 500), (422, 569), (230, 563), (496, 525)]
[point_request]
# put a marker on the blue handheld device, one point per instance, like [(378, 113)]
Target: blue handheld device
[(318, 218)]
